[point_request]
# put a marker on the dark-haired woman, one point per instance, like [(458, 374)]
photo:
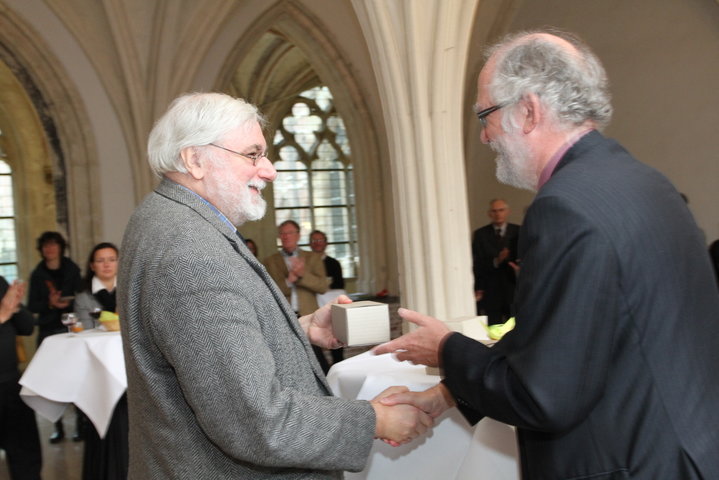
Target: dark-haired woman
[(105, 458), (53, 284), (99, 281)]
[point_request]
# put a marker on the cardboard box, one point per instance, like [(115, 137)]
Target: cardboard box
[(361, 323)]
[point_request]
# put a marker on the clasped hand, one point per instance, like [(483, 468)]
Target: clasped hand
[(398, 422), (422, 346), (297, 269)]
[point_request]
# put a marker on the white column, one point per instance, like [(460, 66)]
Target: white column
[(419, 55)]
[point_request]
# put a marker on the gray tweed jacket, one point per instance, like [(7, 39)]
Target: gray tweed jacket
[(222, 382)]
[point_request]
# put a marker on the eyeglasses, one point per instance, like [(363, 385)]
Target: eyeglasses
[(482, 115), (253, 158)]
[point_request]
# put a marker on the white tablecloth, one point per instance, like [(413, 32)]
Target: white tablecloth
[(452, 449), (87, 369)]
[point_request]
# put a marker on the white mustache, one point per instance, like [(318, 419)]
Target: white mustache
[(258, 184)]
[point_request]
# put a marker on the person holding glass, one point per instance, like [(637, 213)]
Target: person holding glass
[(53, 284), (105, 458)]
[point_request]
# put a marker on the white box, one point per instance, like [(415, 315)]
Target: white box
[(472, 327), (361, 323)]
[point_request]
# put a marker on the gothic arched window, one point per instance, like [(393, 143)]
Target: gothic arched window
[(8, 242), (314, 184)]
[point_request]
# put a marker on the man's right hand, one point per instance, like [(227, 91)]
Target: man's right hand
[(433, 401), (502, 256), (398, 423)]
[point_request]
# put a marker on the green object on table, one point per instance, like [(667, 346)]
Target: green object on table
[(496, 332)]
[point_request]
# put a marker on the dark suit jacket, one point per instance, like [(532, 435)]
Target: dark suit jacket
[(222, 382), (612, 371), (334, 270), (497, 283)]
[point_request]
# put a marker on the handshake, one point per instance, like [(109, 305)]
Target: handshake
[(403, 415)]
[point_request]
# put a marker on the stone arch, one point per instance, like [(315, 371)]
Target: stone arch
[(285, 52), (59, 137)]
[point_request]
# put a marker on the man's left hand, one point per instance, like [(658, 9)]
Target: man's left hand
[(420, 346), (318, 325)]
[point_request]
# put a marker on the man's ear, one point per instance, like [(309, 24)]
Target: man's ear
[(532, 112), (193, 163)]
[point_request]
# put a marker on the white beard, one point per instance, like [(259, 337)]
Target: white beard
[(238, 203), (514, 166)]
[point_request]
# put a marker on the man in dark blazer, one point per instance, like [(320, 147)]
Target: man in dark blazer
[(494, 255), (222, 382), (612, 371)]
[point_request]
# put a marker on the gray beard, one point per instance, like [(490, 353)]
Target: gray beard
[(513, 163)]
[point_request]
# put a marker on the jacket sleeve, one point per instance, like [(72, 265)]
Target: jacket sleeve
[(278, 271), (38, 294), (315, 277), (550, 370), (221, 349)]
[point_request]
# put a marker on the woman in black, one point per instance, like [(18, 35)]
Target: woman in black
[(53, 284), (105, 458)]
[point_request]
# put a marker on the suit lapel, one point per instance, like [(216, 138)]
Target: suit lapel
[(290, 316)]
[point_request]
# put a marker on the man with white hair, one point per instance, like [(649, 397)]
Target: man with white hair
[(222, 382), (612, 371)]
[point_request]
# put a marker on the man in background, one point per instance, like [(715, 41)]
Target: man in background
[(299, 274), (612, 370), (222, 382), (494, 253)]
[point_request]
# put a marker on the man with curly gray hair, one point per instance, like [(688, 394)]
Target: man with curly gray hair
[(612, 370), (222, 379)]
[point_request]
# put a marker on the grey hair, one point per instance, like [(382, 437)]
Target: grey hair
[(195, 119), (572, 85)]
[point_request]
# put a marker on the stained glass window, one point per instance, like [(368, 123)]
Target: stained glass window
[(314, 184)]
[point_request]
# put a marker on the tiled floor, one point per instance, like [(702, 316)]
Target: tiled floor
[(62, 461)]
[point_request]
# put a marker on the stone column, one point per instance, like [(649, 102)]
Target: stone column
[(419, 55)]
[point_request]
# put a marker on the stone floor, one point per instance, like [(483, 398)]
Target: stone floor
[(61, 461)]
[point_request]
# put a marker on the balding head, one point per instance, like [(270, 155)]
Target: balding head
[(557, 67), (537, 92)]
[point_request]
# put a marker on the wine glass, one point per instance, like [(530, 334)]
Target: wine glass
[(69, 320), (95, 314)]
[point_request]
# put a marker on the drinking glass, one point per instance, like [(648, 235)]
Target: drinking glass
[(95, 314), (69, 320)]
